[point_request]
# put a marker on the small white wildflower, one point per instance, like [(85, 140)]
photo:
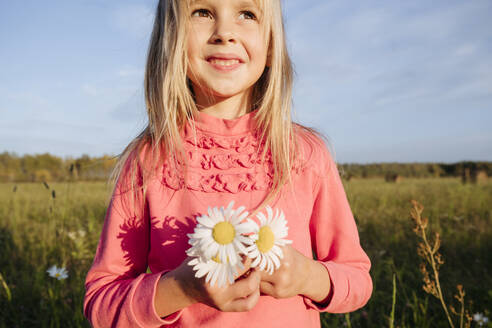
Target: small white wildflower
[(480, 319), (58, 273), (75, 235)]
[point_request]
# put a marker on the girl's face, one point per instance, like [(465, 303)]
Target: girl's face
[(226, 47)]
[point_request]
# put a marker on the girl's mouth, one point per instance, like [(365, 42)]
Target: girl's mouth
[(223, 63)]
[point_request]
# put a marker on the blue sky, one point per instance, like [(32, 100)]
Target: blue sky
[(384, 80)]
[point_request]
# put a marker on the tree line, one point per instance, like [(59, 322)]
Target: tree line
[(47, 168), (50, 168), (463, 169)]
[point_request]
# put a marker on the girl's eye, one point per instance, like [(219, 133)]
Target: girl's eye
[(247, 15), (201, 13)]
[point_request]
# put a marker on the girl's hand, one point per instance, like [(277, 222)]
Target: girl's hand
[(238, 297), (297, 275), (288, 280)]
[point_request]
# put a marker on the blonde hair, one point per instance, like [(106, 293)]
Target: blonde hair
[(170, 102)]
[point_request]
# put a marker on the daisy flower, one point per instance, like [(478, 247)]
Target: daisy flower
[(215, 271), (220, 234), (264, 243), (58, 273)]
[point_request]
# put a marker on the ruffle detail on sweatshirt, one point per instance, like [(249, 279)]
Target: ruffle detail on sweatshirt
[(218, 163), (245, 144), (217, 182), (221, 164)]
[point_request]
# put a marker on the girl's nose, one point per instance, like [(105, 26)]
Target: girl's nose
[(224, 32)]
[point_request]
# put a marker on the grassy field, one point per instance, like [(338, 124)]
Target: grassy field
[(43, 225)]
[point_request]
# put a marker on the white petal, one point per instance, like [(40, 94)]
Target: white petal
[(206, 221), (229, 211), (243, 228), (223, 254), (255, 253), (270, 213), (247, 240), (269, 266), (251, 248), (256, 262), (230, 276), (263, 263), (193, 262), (275, 260), (277, 250), (214, 249), (210, 251), (215, 275), (240, 247), (282, 216), (209, 276), (223, 276), (253, 225), (283, 242), (231, 254), (202, 271), (239, 210), (217, 214), (262, 219), (242, 216)]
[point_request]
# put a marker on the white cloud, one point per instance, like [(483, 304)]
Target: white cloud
[(90, 90), (360, 64), (130, 72), (23, 97), (466, 50), (389, 51)]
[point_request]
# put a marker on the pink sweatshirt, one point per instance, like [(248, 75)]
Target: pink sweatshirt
[(223, 166)]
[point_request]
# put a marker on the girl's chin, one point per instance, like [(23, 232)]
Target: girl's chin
[(221, 94)]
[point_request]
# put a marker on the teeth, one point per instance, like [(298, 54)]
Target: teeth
[(222, 62)]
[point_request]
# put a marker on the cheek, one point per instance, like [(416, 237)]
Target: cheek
[(193, 42), (258, 50)]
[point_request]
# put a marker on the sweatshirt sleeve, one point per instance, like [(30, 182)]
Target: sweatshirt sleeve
[(119, 292), (335, 240)]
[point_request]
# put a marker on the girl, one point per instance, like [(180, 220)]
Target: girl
[(218, 92)]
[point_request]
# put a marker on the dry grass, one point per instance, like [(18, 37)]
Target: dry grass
[(428, 250), (39, 228)]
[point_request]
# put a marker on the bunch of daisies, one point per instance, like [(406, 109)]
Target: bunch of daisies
[(223, 235)]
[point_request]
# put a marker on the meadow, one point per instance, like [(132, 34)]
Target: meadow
[(59, 224)]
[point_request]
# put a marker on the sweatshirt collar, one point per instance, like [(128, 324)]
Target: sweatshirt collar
[(221, 126)]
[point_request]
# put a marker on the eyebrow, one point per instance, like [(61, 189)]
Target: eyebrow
[(242, 3), (192, 2)]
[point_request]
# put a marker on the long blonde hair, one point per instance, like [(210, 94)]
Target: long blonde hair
[(170, 103)]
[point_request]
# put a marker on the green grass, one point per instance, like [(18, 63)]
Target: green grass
[(35, 227)]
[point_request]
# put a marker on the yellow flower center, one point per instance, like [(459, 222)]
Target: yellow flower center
[(57, 275), (223, 233), (216, 258), (266, 238)]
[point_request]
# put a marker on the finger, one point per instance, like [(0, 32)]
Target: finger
[(247, 265), (244, 287), (267, 288), (265, 276), (246, 261), (246, 303)]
